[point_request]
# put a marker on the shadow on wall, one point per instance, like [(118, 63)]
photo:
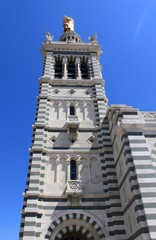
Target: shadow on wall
[(69, 138)]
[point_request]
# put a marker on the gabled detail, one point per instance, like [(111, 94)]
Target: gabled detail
[(56, 91), (72, 140), (72, 91), (52, 139), (91, 139), (87, 92)]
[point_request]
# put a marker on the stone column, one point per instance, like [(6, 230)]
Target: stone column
[(77, 63), (57, 168), (89, 167), (68, 167), (85, 110), (64, 62), (68, 109), (59, 109), (76, 106), (62, 111), (79, 167)]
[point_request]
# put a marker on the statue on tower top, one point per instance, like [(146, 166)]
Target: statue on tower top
[(93, 38), (48, 37), (68, 24)]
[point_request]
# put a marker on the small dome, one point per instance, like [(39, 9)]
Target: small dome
[(70, 36)]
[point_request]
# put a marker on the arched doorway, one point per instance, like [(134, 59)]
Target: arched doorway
[(75, 225), (73, 236)]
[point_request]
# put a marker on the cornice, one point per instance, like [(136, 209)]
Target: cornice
[(71, 47), (82, 82)]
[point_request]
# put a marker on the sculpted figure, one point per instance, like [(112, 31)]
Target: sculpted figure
[(93, 38), (68, 23), (48, 37)]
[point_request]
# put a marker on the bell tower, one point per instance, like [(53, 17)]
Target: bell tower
[(71, 191)]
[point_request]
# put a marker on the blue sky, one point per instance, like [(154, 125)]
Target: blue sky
[(127, 33)]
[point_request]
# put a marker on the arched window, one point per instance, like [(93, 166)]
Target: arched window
[(58, 68), (84, 70), (73, 170), (71, 70), (72, 110)]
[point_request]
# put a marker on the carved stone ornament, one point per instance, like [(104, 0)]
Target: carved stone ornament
[(48, 37), (74, 185), (149, 115), (93, 38)]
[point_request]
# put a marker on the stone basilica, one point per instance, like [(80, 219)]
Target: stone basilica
[(92, 167)]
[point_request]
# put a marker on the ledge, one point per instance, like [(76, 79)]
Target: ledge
[(82, 82)]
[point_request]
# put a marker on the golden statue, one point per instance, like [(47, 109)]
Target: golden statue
[(68, 24)]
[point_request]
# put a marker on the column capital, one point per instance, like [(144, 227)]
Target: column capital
[(67, 162), (64, 60), (77, 60), (68, 103), (57, 159), (68, 158), (59, 103), (78, 158)]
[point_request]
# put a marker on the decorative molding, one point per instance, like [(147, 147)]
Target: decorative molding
[(149, 115)]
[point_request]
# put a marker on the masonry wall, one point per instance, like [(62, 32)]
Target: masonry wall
[(114, 149), (135, 170)]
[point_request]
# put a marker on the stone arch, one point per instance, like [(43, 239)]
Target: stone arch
[(77, 221), (74, 157)]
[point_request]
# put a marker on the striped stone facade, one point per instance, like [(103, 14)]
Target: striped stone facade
[(112, 195), (134, 140)]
